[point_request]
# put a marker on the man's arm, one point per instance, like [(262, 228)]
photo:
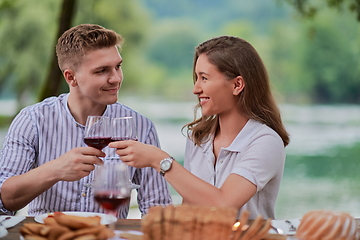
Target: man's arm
[(18, 191), (23, 176)]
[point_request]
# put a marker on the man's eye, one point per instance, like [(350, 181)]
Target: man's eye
[(100, 71)]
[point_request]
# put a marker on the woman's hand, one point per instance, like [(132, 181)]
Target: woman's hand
[(139, 155)]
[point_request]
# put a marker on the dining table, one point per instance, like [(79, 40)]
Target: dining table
[(121, 224)]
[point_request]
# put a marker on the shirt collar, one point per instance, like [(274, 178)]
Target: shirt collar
[(64, 100), (240, 140), (244, 135)]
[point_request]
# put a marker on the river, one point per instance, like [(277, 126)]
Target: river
[(314, 130)]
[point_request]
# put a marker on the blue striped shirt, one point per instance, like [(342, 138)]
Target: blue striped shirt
[(46, 130)]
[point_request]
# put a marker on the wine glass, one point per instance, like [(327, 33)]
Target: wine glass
[(124, 128), (111, 187), (97, 131)]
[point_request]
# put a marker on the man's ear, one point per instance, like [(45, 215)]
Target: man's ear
[(70, 77), (239, 85)]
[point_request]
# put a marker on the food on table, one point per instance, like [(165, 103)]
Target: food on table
[(331, 225), (190, 222), (60, 226)]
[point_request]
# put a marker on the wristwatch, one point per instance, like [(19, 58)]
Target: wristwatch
[(165, 165)]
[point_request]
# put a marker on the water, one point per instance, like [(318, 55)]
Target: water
[(314, 130)]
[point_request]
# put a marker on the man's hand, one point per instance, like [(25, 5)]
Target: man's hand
[(76, 163)]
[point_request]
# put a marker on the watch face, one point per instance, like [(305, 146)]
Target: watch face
[(165, 165)]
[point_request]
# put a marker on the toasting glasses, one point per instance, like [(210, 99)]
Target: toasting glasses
[(101, 130)]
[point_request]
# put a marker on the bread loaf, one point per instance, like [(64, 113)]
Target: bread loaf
[(330, 225), (189, 222)]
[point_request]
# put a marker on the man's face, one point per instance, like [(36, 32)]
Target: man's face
[(99, 77)]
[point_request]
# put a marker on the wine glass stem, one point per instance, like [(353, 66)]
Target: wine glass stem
[(112, 224)]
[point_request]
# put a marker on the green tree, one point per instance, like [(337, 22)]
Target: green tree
[(317, 61), (52, 86), (173, 46), (310, 61), (169, 53), (131, 20), (309, 9), (28, 31), (287, 45), (332, 59)]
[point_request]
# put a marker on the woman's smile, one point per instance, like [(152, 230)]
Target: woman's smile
[(203, 100)]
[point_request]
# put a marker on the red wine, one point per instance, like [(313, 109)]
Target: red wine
[(114, 139), (97, 142), (111, 201)]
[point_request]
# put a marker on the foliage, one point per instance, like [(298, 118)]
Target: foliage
[(333, 61), (54, 79), (283, 64), (5, 121), (317, 61), (213, 14), (26, 31), (309, 9), (173, 46), (308, 61), (169, 52)]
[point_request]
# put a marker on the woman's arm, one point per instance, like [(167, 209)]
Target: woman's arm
[(235, 191)]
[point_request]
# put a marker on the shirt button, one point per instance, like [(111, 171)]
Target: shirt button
[(83, 194)]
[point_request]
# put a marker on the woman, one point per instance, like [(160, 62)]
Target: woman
[(235, 151)]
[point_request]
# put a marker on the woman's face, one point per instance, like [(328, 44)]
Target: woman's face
[(215, 91)]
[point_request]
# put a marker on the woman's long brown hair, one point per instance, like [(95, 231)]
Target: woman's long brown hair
[(234, 57)]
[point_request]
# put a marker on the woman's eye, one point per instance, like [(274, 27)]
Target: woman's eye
[(203, 78)]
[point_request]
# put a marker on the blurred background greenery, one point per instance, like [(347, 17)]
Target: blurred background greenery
[(311, 52), (309, 60)]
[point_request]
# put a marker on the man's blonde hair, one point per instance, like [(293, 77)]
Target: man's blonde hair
[(74, 43)]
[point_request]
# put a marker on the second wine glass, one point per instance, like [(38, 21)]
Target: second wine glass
[(123, 128)]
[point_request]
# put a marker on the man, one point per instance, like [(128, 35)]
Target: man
[(44, 161)]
